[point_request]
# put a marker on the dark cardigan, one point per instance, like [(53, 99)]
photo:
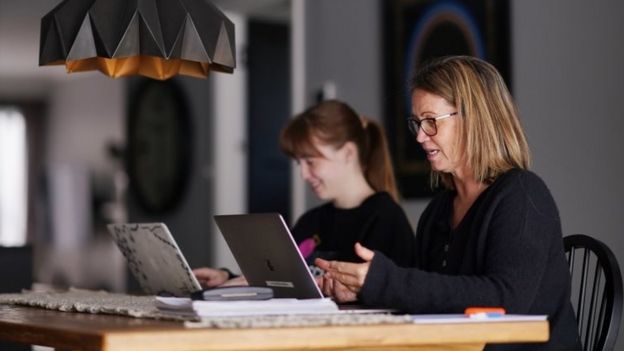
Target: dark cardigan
[(507, 251)]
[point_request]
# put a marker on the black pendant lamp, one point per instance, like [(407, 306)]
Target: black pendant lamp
[(154, 38)]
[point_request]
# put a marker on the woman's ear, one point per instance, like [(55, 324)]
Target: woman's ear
[(350, 151)]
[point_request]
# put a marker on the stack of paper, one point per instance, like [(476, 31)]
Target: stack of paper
[(245, 308)]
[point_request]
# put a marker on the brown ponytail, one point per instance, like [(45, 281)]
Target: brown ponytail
[(336, 123), (378, 165)]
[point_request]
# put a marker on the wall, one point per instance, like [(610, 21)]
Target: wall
[(86, 113), (569, 85), (345, 53)]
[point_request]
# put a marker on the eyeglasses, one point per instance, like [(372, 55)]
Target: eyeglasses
[(428, 124)]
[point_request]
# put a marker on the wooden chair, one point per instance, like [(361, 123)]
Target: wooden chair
[(596, 291)]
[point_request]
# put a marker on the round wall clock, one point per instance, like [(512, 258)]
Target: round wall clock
[(159, 145)]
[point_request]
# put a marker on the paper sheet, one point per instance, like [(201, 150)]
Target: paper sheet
[(462, 318)]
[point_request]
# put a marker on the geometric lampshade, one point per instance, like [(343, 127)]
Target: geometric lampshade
[(154, 38)]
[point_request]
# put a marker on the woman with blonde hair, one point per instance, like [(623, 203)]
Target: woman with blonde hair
[(344, 158), (493, 237)]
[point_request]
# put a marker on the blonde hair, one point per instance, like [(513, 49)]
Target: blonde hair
[(335, 123), (491, 136)]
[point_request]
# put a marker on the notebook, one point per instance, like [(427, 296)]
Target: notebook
[(207, 309), (267, 254), (155, 259)]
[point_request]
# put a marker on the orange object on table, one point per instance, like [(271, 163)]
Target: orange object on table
[(484, 311)]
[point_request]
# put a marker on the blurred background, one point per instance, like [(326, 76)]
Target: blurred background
[(64, 139)]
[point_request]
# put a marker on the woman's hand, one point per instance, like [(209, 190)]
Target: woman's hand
[(344, 280), (335, 289), (210, 277), (237, 281)]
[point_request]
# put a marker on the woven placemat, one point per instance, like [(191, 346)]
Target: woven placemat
[(102, 302), (90, 301)]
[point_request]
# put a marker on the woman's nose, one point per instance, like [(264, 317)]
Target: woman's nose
[(421, 136), (304, 171)]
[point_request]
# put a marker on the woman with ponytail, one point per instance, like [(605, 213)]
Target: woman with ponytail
[(344, 158)]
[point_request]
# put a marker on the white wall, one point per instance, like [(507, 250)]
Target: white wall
[(343, 47), (86, 111), (569, 85)]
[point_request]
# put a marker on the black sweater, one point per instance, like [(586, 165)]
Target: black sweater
[(507, 251), (378, 223)]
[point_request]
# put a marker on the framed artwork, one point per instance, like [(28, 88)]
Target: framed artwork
[(416, 31)]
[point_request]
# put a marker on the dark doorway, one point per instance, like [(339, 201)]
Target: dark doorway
[(268, 62)]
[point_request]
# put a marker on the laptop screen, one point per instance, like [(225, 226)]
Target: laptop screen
[(267, 254)]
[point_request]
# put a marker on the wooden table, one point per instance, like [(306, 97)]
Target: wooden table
[(80, 331)]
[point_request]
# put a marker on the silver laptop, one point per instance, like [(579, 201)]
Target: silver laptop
[(268, 255), (154, 258)]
